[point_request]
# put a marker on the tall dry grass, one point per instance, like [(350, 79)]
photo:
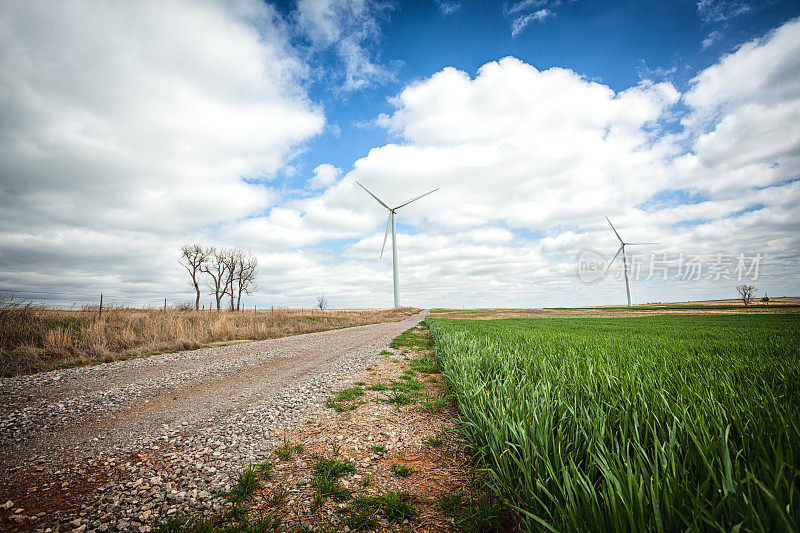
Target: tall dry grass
[(34, 339)]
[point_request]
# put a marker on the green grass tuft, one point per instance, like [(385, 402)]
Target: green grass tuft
[(246, 484), (327, 472), (434, 441), (400, 398), (433, 403), (402, 470), (395, 506)]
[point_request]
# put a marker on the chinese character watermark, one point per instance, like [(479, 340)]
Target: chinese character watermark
[(592, 266)]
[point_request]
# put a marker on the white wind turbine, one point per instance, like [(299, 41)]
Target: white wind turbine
[(390, 222), (622, 246)]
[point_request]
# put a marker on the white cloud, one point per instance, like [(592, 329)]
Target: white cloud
[(140, 120), (711, 38), (351, 28), (523, 12), (721, 10), (447, 7), (745, 112), (324, 176)]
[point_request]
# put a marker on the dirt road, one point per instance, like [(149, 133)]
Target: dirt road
[(176, 422)]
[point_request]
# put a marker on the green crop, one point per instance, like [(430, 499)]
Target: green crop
[(661, 423)]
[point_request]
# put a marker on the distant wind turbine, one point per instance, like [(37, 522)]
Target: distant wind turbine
[(390, 222), (622, 246)]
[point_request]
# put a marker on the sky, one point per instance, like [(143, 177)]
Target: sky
[(128, 129)]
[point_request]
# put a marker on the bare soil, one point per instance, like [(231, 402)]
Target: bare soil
[(443, 468)]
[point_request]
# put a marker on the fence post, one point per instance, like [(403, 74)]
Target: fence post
[(100, 314)]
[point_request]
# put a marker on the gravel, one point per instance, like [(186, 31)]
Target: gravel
[(113, 447)]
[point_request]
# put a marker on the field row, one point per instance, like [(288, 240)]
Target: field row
[(660, 423)]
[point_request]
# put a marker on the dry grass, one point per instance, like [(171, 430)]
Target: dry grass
[(34, 339)]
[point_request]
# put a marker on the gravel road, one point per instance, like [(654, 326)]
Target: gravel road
[(114, 446)]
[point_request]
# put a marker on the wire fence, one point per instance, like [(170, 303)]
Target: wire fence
[(79, 300), (86, 300)]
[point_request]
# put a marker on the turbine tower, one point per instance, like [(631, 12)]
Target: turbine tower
[(622, 246), (390, 222)]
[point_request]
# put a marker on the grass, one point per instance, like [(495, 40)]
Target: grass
[(402, 470), (264, 469), (433, 403), (698, 306), (361, 519), (434, 441), (406, 385), (278, 497), (35, 339), (378, 387), (400, 398), (477, 514), (379, 448), (232, 522), (337, 402), (327, 473), (425, 364), (660, 423), (412, 338), (347, 395), (285, 450), (394, 506), (246, 484)]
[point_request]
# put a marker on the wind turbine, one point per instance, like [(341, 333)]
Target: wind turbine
[(622, 246), (390, 222)]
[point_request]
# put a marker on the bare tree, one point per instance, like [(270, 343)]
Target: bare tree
[(322, 302), (745, 293), (193, 257), (245, 276), (231, 259), (216, 267)]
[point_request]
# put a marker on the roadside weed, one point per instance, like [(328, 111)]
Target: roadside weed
[(395, 506), (402, 470), (246, 484)]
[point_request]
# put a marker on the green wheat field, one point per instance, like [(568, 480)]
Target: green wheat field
[(662, 423)]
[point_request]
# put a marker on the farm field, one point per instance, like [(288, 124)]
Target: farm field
[(658, 423), (726, 307), (35, 339)]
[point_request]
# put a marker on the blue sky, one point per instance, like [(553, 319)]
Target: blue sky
[(246, 124), (615, 43)]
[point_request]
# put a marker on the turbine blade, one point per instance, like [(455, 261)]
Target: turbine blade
[(379, 200), (417, 198), (609, 223), (386, 235), (612, 259), (639, 243)]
